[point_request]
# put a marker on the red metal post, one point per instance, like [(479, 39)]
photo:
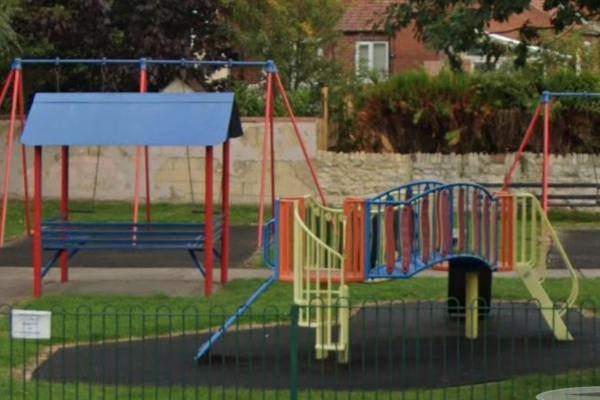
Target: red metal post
[(302, 145), (7, 83), (263, 179), (9, 80), (546, 157), (148, 205), (37, 222), (208, 206), (226, 221), (24, 157), (64, 208), (11, 134), (136, 196), (144, 89), (524, 143)]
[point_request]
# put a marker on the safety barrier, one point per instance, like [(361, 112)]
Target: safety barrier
[(405, 237), (535, 236), (339, 229), (319, 283)]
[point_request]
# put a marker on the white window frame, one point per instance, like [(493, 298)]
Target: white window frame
[(371, 45)]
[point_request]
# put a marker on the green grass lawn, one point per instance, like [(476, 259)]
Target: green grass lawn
[(123, 212), (89, 319), (94, 319)]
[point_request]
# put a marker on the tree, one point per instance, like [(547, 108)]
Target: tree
[(8, 37), (293, 33), (121, 29), (457, 26)]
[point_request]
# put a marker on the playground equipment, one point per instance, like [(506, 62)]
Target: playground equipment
[(399, 234), (545, 105), (17, 111), (136, 119)]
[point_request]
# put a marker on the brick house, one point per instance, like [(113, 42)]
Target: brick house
[(364, 47)]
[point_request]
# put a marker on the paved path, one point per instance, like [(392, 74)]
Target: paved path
[(15, 283)]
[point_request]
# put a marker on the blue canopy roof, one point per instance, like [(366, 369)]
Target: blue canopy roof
[(132, 119)]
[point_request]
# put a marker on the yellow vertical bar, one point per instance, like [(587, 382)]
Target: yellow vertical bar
[(523, 206), (472, 306), (344, 333)]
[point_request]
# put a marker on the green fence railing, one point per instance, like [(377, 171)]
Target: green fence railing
[(397, 351)]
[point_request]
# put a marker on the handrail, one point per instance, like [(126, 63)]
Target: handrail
[(556, 241), (406, 187), (298, 220)]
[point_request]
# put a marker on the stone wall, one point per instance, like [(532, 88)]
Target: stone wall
[(368, 174), (341, 175), (176, 174)]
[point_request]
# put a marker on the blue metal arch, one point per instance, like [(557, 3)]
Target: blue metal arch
[(407, 186), (380, 201)]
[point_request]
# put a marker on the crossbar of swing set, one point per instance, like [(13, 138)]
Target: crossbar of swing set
[(547, 96), (143, 62), (269, 65)]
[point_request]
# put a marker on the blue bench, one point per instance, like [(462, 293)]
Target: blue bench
[(73, 237)]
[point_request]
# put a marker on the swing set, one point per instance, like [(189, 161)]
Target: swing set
[(68, 238), (544, 105)]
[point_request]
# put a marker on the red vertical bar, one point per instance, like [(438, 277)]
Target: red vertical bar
[(64, 208), (208, 205), (11, 134), (144, 89), (37, 222), (524, 143), (136, 196), (390, 239), (225, 207), (546, 157), (148, 205), (24, 156), (302, 145), (263, 182)]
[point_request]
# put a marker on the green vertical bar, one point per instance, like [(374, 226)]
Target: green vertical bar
[(11, 357), (295, 314)]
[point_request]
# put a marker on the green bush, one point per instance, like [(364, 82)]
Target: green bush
[(481, 112), (251, 101)]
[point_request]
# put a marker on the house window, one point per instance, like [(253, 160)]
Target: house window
[(372, 57)]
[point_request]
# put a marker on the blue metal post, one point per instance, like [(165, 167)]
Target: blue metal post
[(217, 335)]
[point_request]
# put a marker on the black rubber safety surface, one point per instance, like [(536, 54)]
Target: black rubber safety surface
[(581, 247), (243, 245), (392, 348)]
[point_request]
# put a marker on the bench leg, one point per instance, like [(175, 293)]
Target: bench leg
[(197, 262), (51, 263)]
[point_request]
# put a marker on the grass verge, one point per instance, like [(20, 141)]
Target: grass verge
[(93, 319)]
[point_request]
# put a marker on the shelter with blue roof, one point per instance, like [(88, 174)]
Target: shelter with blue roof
[(142, 120)]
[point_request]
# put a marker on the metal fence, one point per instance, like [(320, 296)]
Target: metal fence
[(414, 350)]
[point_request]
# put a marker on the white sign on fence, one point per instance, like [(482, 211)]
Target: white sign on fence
[(29, 324)]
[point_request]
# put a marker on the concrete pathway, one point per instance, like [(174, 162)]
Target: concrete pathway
[(16, 282)]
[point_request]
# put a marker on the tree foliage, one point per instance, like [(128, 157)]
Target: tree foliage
[(121, 29), (457, 26), (292, 33), (8, 37)]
